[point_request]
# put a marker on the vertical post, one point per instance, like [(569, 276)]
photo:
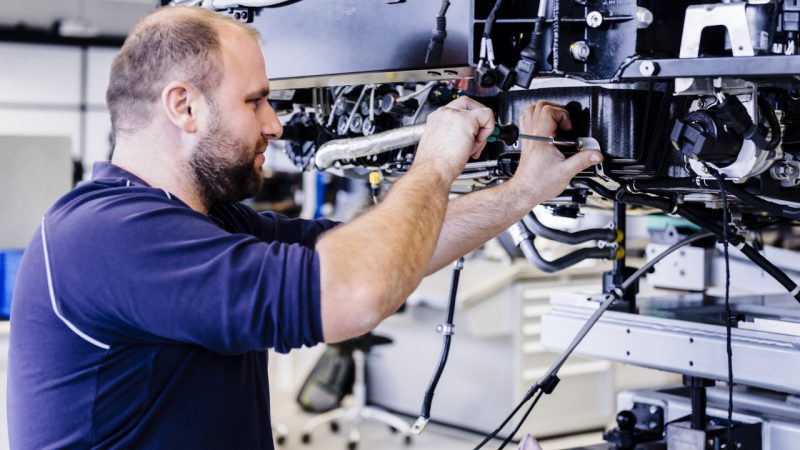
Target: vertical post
[(619, 223)]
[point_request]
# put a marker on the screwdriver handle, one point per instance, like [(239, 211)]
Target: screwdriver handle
[(507, 134)]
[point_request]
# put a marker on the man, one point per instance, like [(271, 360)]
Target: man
[(145, 301)]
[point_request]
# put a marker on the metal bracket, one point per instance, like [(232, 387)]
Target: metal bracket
[(445, 329), (732, 16)]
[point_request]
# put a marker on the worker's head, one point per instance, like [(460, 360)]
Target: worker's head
[(197, 80)]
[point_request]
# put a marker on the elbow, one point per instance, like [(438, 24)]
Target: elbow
[(348, 313)]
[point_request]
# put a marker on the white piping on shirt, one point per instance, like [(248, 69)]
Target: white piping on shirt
[(69, 324), (168, 196)]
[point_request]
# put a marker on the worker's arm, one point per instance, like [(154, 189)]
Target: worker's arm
[(543, 173), (370, 265)]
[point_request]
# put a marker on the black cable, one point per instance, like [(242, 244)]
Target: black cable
[(570, 259), (549, 381), (487, 29), (521, 421), (524, 239), (728, 318), (595, 186), (436, 46), (447, 333), (567, 237), (774, 124), (521, 403)]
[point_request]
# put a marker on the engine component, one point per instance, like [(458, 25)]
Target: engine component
[(352, 148)]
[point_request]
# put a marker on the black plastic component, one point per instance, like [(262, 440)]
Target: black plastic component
[(507, 134), (434, 54), (702, 136), (642, 424), (627, 123), (486, 77), (549, 384)]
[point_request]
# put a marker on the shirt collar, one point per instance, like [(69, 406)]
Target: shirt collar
[(105, 169)]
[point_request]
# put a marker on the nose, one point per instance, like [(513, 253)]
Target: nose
[(271, 127)]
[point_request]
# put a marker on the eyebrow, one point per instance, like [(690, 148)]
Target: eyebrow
[(263, 92)]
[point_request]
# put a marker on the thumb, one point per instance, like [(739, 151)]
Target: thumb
[(581, 161)]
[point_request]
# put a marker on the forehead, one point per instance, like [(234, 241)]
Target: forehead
[(243, 59)]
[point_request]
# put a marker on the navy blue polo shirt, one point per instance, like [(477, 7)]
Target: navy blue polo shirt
[(138, 322)]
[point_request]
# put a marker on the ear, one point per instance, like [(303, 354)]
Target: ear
[(180, 101)]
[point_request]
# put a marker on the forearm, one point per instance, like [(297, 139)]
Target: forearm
[(473, 219), (370, 265)]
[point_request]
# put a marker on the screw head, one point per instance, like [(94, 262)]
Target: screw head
[(648, 68), (580, 50), (594, 19)]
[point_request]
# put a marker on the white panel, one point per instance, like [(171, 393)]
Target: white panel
[(113, 17), (98, 68), (35, 172), (33, 122), (39, 74), (98, 145)]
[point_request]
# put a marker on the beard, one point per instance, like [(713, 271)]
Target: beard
[(224, 166)]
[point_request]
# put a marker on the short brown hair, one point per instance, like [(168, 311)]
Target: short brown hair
[(171, 43)]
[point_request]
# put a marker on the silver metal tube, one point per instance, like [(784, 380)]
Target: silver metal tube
[(350, 148)]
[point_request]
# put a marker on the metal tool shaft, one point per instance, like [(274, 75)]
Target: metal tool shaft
[(548, 139)]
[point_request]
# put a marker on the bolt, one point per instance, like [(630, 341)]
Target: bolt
[(355, 124), (341, 126), (653, 409), (648, 68), (652, 425), (594, 19), (580, 50), (368, 128)]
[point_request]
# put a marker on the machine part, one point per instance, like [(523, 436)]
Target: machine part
[(356, 123), (641, 424), (548, 382), (433, 55), (688, 268), (703, 136), (787, 171), (446, 329), (732, 16), (375, 186), (594, 19), (580, 51), (644, 17), (509, 135), (755, 155), (573, 238), (524, 239), (528, 65), (697, 387), (350, 148)]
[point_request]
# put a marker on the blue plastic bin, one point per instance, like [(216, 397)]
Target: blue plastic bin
[(9, 263)]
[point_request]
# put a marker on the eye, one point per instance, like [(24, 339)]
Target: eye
[(255, 101)]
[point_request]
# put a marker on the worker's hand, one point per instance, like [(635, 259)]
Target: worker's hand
[(543, 170), (453, 133)]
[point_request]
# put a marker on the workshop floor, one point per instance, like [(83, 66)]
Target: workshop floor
[(377, 436)]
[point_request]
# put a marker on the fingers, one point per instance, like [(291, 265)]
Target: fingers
[(465, 102), (581, 161), (544, 118), (481, 120)]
